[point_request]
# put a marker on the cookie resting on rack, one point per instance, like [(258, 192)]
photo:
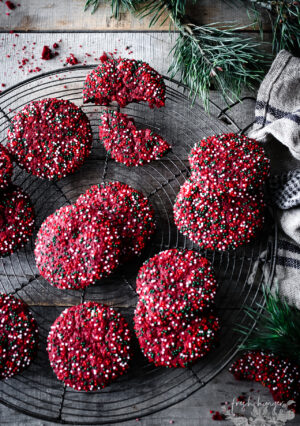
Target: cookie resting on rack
[(128, 145), (230, 163), (50, 138), (280, 375), (178, 342), (74, 249), (176, 284), (124, 81), (217, 222), (16, 219), (128, 211), (89, 346), (18, 336), (6, 167)]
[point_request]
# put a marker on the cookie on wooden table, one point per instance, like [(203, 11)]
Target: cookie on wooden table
[(176, 284), (74, 249), (178, 342), (50, 138), (127, 209), (6, 167), (124, 81), (89, 346), (16, 219), (18, 336), (230, 163), (280, 375), (128, 145), (217, 221)]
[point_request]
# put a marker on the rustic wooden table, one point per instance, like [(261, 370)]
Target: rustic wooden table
[(37, 23)]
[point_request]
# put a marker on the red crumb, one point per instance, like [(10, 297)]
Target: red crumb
[(104, 57), (10, 5), (218, 416), (72, 60), (46, 53), (55, 46)]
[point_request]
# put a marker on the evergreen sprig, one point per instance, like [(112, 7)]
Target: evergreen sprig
[(204, 57), (284, 16), (277, 330)]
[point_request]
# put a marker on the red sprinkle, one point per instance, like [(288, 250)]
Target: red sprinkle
[(218, 416), (55, 46)]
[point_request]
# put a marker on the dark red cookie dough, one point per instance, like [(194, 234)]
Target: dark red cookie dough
[(177, 343), (124, 81), (128, 145), (18, 336), (128, 211), (280, 375), (50, 138), (89, 346), (6, 167), (217, 222), (176, 284), (73, 249), (230, 163), (16, 219)]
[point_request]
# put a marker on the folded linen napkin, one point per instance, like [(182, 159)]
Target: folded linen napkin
[(277, 125)]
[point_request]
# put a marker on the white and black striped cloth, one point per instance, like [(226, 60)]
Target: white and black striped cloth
[(277, 126)]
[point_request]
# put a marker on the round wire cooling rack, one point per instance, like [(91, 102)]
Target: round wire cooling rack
[(240, 273)]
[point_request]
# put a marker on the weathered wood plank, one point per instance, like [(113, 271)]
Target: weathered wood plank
[(68, 15)]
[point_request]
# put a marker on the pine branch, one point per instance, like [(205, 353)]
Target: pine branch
[(285, 19), (117, 6), (278, 328), (207, 57)]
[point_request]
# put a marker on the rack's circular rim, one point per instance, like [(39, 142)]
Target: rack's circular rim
[(270, 280)]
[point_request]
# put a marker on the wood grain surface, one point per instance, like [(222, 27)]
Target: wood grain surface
[(48, 21), (68, 15)]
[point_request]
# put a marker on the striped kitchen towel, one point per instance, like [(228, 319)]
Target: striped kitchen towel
[(287, 270), (277, 126)]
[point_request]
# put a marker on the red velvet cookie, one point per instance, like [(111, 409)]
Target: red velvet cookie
[(50, 138), (280, 375), (128, 145), (230, 163), (18, 336), (16, 219), (217, 222), (128, 211), (124, 81), (176, 343), (176, 284), (6, 167), (74, 249), (89, 346)]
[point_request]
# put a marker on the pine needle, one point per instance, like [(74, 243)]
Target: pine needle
[(277, 330)]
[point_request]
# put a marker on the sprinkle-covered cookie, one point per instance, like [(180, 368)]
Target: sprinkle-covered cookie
[(73, 249), (177, 343), (50, 138), (6, 167), (16, 219), (124, 81), (128, 211), (89, 346), (18, 336), (280, 375), (230, 163), (176, 284), (128, 145), (217, 222)]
